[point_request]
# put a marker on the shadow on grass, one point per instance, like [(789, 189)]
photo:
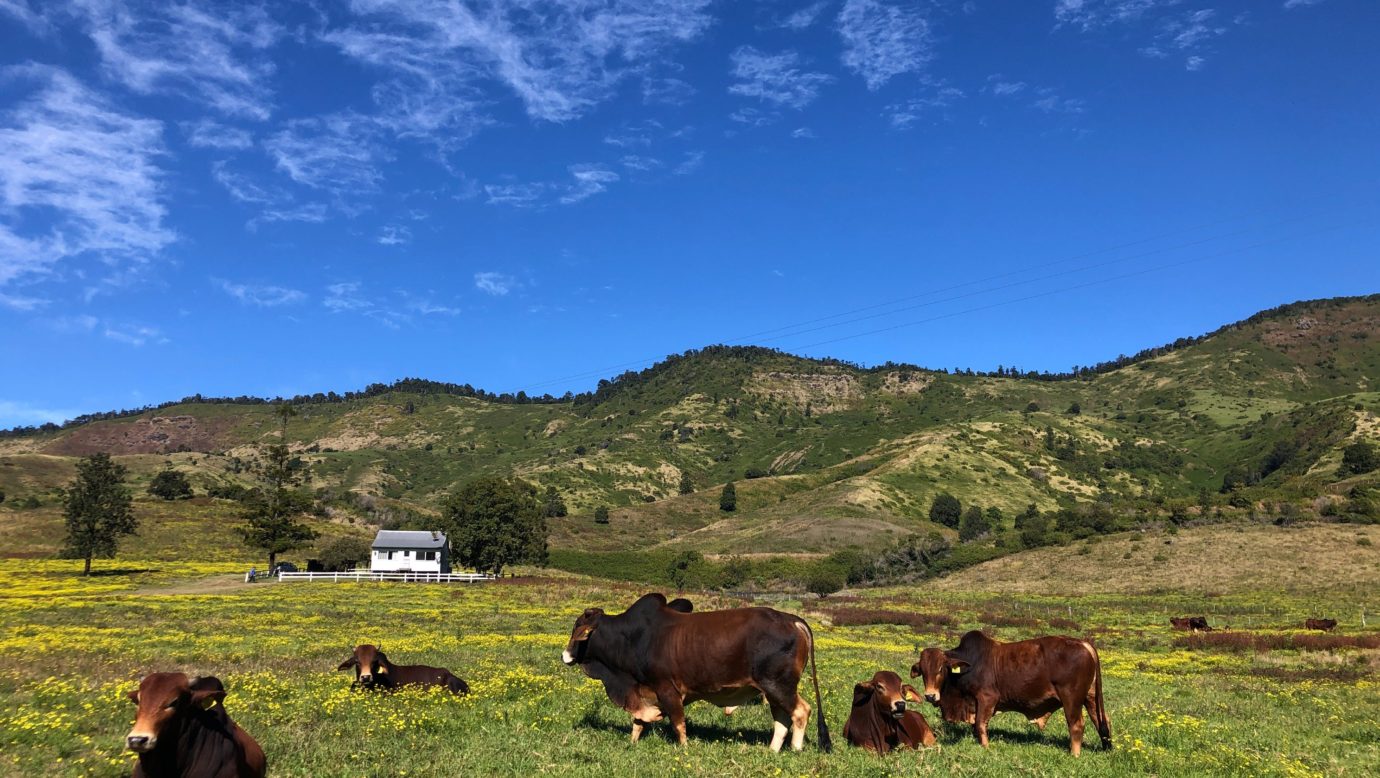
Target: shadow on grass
[(113, 572), (694, 730), (1027, 735)]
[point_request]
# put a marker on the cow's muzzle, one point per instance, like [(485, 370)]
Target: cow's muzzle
[(567, 657), (898, 710), (932, 697), (140, 744)]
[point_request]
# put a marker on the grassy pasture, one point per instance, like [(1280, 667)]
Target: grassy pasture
[(70, 648)]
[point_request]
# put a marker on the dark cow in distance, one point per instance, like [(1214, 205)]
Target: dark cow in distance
[(879, 720), (1324, 625), (655, 659), (1033, 677), (373, 670), (1193, 623), (181, 730)]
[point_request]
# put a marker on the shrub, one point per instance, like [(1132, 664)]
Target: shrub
[(601, 515), (728, 498), (946, 510), (344, 554), (1360, 457), (170, 484), (755, 472), (861, 617), (824, 581), (997, 620), (1251, 641)]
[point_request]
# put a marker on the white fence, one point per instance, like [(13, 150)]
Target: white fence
[(365, 575)]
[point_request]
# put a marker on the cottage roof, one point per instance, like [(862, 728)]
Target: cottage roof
[(389, 538)]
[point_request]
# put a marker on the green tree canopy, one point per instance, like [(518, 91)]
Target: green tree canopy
[(728, 498), (687, 485), (97, 510), (946, 510), (1360, 457), (553, 505), (345, 553), (272, 515), (973, 525), (495, 523), (170, 484), (601, 514)]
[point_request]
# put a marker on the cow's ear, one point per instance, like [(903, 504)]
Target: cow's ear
[(207, 698), (862, 693), (909, 694), (958, 666), (133, 696), (348, 663)]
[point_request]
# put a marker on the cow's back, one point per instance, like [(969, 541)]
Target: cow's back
[(728, 648)]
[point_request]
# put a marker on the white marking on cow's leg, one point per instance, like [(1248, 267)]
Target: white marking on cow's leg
[(778, 735), (567, 658), (729, 711), (636, 730), (1042, 721), (800, 717)]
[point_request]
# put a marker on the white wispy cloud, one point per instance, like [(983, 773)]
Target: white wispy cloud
[(208, 134), (1300, 3), (690, 163), (640, 163), (753, 117), (775, 78), (394, 235), (559, 57), (1186, 34), (211, 52), (133, 334), (260, 295), (1093, 14), (907, 112), (1001, 86), (26, 15), (803, 17), (84, 173), (20, 302), (344, 296), (1049, 100), (666, 91), (882, 41), (589, 180), (496, 284), (338, 153), (13, 413), (1173, 30), (803, 133)]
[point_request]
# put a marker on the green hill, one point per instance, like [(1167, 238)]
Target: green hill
[(825, 454)]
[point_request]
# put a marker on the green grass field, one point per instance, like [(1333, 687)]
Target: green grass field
[(70, 648)]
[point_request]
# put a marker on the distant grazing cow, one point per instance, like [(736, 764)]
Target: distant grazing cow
[(374, 671), (1032, 677), (181, 729), (726, 657), (1326, 625), (1194, 623), (880, 721)]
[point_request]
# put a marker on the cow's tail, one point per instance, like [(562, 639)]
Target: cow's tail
[(1103, 722), (822, 726)]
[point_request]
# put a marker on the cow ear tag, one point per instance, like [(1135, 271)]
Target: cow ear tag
[(208, 703), (955, 669)]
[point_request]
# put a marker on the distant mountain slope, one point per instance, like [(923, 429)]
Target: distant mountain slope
[(845, 455)]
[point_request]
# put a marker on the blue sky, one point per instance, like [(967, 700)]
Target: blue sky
[(241, 198)]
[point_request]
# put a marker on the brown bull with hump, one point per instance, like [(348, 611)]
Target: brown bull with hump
[(1036, 677), (653, 651), (181, 730)]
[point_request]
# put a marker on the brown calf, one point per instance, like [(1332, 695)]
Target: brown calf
[(880, 721), (1325, 625), (374, 671), (1032, 677), (1193, 623), (182, 730)]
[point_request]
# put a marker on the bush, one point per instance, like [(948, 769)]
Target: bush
[(601, 515), (755, 472), (344, 554), (825, 581), (861, 617), (946, 510), (728, 498), (1359, 458), (688, 570), (170, 484)]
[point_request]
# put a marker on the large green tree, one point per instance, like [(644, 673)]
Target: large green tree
[(97, 509), (973, 525), (273, 515), (946, 510), (170, 484), (493, 523), (1360, 457), (728, 498)]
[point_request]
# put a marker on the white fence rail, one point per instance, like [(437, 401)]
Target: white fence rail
[(365, 575)]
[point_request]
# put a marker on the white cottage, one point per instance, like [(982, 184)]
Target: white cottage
[(399, 551)]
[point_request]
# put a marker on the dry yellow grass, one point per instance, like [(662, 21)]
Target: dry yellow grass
[(1225, 559)]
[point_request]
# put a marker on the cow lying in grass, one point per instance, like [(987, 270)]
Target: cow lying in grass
[(1191, 623), (374, 671), (1322, 625), (880, 721), (182, 730), (1033, 677)]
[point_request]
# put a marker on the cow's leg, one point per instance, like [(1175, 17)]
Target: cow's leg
[(986, 707), (800, 717), (1073, 714), (638, 726), (781, 724), (673, 707), (1042, 721), (1100, 720)]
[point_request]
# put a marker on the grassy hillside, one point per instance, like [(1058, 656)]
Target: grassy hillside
[(846, 455)]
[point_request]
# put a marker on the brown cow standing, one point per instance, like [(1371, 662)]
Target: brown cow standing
[(880, 721), (1194, 623), (1325, 625), (726, 657), (1032, 677), (181, 730), (374, 671)]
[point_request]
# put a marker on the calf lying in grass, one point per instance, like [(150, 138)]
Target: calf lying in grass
[(880, 721), (374, 671)]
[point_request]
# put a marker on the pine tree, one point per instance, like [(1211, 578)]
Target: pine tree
[(973, 525), (728, 498), (271, 523), (97, 509), (687, 485)]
